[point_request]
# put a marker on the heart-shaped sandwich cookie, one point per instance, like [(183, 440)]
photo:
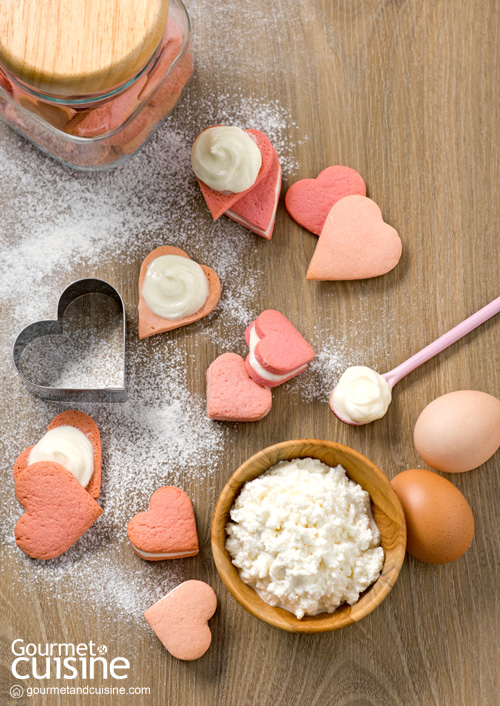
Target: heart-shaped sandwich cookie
[(232, 396), (62, 450), (180, 618), (219, 202), (167, 530), (355, 243), (278, 352), (58, 510), (309, 201), (257, 209), (174, 287)]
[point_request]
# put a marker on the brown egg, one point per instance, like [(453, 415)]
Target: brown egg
[(439, 519), (458, 431)]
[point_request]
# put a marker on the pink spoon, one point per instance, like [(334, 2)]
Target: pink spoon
[(459, 331)]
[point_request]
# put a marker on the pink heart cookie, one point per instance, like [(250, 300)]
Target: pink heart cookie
[(355, 243), (58, 510), (151, 324), (257, 209), (81, 421), (232, 396), (309, 201), (278, 352), (219, 202), (167, 530), (180, 618)]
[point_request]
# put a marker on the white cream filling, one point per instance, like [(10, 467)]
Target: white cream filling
[(226, 159), (361, 395), (70, 448), (262, 372), (175, 287), (163, 555)]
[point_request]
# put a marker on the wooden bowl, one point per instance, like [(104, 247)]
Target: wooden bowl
[(387, 512)]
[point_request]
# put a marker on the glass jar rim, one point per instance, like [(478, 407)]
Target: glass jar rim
[(82, 100), (179, 13)]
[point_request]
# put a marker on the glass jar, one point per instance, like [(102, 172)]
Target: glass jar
[(101, 130)]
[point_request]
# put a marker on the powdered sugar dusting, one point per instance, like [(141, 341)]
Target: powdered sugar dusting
[(160, 436), (84, 223), (62, 225), (332, 358)]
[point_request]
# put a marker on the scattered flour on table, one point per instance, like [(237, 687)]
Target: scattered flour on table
[(334, 354), (84, 224), (160, 436)]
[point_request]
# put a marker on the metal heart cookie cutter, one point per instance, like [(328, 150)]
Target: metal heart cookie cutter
[(53, 327)]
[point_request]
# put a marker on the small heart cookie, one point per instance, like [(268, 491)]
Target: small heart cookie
[(219, 202), (355, 243), (309, 201), (278, 352), (180, 619), (81, 421), (149, 322), (232, 396), (167, 530), (58, 510)]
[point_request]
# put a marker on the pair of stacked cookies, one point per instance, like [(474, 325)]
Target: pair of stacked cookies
[(58, 508), (354, 241), (239, 390), (239, 174)]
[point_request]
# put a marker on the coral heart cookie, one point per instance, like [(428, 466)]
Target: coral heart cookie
[(278, 352), (167, 530), (58, 510), (228, 162), (180, 619), (239, 174), (355, 243), (232, 396), (309, 201), (174, 291), (73, 441)]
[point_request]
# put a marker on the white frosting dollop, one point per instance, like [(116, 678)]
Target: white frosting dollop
[(70, 448), (361, 395), (174, 287), (226, 159)]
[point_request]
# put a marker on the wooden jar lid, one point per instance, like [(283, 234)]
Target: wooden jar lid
[(77, 47)]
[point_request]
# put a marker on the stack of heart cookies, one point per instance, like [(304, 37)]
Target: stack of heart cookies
[(239, 390), (57, 481), (354, 241), (239, 174)]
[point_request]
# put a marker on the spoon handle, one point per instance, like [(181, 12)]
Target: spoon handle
[(395, 375)]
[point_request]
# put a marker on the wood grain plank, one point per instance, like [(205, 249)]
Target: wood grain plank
[(408, 94)]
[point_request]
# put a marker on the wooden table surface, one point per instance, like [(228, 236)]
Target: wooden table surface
[(408, 94)]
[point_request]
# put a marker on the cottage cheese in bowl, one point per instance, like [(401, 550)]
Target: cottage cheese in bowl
[(303, 536)]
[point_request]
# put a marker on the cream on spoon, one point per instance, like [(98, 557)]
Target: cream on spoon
[(362, 395)]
